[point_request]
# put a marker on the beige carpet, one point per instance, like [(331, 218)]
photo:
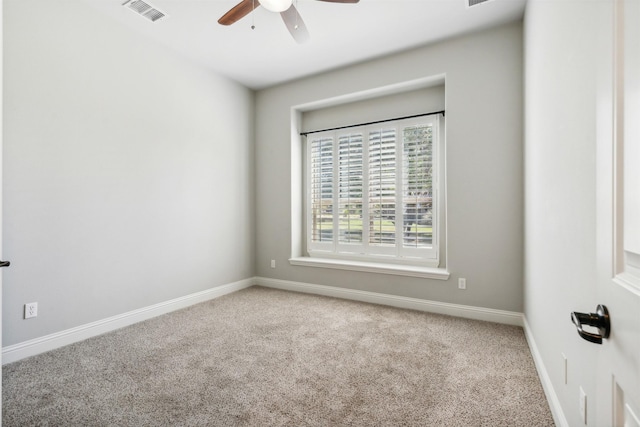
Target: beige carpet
[(263, 357)]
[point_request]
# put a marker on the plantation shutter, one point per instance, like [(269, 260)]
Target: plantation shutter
[(382, 186), (321, 189), (350, 187), (417, 186)]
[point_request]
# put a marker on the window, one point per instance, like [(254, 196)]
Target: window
[(372, 192)]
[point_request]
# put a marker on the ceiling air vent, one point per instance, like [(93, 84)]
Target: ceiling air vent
[(144, 9), (471, 3)]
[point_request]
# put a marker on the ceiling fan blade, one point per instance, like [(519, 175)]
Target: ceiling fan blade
[(341, 1), (238, 12), (295, 24)]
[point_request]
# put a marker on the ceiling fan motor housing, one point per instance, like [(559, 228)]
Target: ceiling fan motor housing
[(276, 5)]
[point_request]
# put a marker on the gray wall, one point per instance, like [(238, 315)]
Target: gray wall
[(484, 167), (417, 101), (560, 206), (128, 172)]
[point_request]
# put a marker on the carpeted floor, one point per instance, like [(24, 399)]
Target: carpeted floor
[(264, 357)]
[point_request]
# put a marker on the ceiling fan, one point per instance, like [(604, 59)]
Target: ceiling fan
[(286, 8)]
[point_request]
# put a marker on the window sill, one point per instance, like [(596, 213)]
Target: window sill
[(371, 267)]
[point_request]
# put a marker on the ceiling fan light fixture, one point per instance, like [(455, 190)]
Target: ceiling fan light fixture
[(276, 5)]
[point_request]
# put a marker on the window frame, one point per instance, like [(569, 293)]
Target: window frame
[(365, 252)]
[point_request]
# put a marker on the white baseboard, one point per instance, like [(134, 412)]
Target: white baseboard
[(547, 385), (466, 311), (39, 345)]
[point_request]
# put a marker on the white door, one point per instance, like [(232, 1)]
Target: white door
[(618, 231), (1, 133)]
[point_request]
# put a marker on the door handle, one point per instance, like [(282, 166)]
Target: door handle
[(5, 263), (599, 320)]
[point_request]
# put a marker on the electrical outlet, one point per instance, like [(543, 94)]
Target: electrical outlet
[(462, 283), (583, 405), (273, 263), (30, 310)]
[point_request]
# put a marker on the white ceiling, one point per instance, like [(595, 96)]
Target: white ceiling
[(341, 34)]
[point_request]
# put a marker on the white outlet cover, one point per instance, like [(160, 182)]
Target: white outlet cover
[(30, 310)]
